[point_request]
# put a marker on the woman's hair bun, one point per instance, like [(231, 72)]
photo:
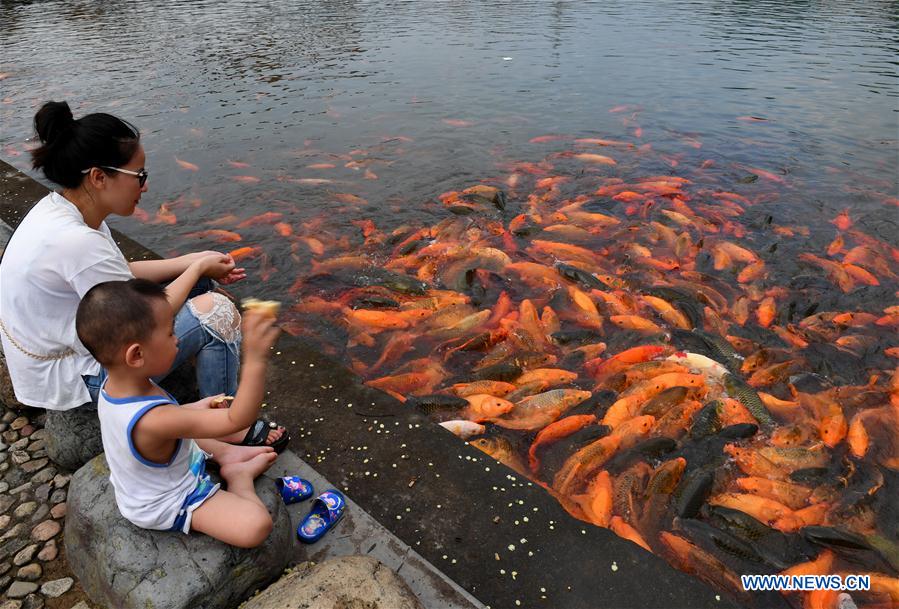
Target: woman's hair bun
[(52, 120)]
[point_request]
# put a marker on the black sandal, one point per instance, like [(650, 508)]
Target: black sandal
[(257, 435)]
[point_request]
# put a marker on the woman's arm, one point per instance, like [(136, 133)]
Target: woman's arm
[(161, 271)]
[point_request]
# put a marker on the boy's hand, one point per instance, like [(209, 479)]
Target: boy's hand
[(259, 335), (213, 401)]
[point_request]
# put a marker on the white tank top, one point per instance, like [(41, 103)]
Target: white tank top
[(148, 494)]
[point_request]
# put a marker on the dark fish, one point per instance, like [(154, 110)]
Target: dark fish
[(845, 543), (738, 389), (430, 404), (370, 276), (749, 179), (373, 301), (705, 422), (661, 403), (774, 546), (596, 404), (692, 492), (556, 454), (580, 276), (410, 247), (740, 430), (710, 345), (653, 448), (722, 542), (577, 337), (812, 476), (503, 371)]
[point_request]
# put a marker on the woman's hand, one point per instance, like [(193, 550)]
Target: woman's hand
[(234, 276), (214, 265)]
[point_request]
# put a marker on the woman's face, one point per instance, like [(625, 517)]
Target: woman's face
[(122, 192)]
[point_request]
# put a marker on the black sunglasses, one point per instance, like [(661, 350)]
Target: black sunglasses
[(141, 175)]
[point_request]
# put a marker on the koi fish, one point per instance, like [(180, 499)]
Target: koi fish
[(187, 165), (216, 234)]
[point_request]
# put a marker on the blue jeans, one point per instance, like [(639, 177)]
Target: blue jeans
[(217, 361)]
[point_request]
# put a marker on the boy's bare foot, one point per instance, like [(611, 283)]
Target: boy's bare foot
[(231, 453), (248, 469)]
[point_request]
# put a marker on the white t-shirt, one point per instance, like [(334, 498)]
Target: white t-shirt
[(51, 261)]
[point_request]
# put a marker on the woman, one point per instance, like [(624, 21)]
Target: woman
[(62, 248)]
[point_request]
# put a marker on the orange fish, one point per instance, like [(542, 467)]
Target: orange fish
[(350, 199), (635, 322), (595, 158), (760, 508), (216, 234), (238, 164), (187, 165), (457, 122), (246, 179), (165, 215), (243, 253), (626, 531), (842, 221), (268, 217), (483, 407), (284, 229)]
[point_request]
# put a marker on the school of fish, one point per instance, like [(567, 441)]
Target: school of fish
[(652, 347)]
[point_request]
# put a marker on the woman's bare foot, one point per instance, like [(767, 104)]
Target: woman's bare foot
[(227, 454), (248, 469)]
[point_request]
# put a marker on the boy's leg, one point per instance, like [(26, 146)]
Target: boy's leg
[(224, 453), (237, 516)]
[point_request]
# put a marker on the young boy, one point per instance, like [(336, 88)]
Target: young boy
[(156, 449)]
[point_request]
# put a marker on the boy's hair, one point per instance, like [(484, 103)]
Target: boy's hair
[(115, 313)]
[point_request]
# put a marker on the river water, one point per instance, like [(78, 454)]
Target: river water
[(306, 132)]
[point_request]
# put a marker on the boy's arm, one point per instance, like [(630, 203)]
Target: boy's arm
[(171, 422)]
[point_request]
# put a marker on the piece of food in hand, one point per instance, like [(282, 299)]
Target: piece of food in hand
[(266, 307), (219, 400)]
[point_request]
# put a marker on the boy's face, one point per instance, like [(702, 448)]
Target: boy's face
[(162, 346)]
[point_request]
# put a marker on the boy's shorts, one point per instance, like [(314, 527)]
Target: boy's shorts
[(205, 489)]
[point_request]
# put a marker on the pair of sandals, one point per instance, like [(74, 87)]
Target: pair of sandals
[(327, 509)]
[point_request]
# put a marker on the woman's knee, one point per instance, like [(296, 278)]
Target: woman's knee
[(218, 314)]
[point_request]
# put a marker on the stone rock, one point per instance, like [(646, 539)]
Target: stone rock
[(25, 509), (73, 436), (49, 552), (21, 589), (20, 530), (61, 480), (57, 587), (43, 476), (9, 416), (10, 436), (4, 521), (34, 465), (4, 486), (7, 395), (36, 445), (19, 444), (346, 582), (18, 423), (5, 581), (45, 530), (11, 604), (58, 496), (33, 601), (25, 555), (42, 511), (6, 502), (81, 605), (42, 493), (120, 565), (59, 510), (40, 434), (4, 567), (20, 456), (26, 431), (11, 546), (30, 573)]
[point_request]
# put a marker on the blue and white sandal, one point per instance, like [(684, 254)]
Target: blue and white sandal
[(294, 489), (327, 510)]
